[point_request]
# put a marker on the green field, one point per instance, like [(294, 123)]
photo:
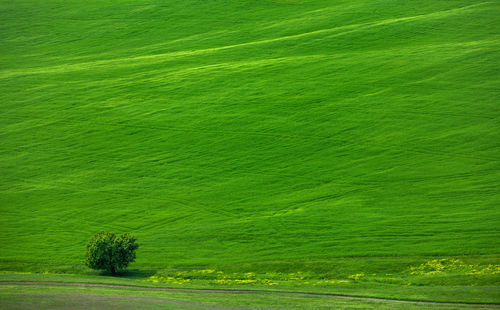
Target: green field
[(54, 297), (275, 137)]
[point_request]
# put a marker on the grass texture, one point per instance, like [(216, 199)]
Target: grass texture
[(50, 297), (230, 132)]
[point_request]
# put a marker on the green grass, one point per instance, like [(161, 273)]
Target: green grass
[(438, 288), (251, 136), (109, 298)]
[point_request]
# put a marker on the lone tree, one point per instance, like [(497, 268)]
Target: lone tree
[(109, 252)]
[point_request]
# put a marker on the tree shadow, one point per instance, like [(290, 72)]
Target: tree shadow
[(136, 274)]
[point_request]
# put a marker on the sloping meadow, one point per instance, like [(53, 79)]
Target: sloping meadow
[(220, 132)]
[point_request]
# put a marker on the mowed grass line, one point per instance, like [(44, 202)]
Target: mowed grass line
[(224, 132), (25, 297)]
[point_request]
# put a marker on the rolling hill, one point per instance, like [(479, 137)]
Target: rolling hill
[(226, 132)]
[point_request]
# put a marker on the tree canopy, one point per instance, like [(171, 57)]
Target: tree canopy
[(106, 251)]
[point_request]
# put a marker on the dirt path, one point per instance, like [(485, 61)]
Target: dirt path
[(236, 291)]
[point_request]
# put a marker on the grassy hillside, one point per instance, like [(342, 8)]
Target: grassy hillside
[(246, 131)]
